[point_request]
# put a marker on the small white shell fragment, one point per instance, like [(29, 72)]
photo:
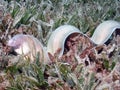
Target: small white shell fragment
[(58, 37), (28, 46), (104, 31)]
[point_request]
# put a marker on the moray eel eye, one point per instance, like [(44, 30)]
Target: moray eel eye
[(12, 51)]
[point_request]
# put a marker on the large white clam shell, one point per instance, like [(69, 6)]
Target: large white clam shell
[(104, 31), (28, 46), (58, 37)]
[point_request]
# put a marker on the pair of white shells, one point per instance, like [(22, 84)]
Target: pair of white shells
[(26, 44)]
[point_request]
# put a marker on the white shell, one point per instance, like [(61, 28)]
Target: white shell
[(28, 46), (58, 37), (104, 31)]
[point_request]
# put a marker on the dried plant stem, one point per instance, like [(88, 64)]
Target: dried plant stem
[(58, 72)]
